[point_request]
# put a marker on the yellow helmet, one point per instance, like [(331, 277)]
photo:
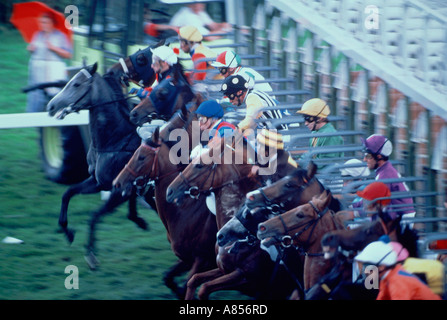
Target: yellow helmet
[(315, 107), (190, 33)]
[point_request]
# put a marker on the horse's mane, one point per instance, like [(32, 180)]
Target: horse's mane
[(115, 86), (179, 73)]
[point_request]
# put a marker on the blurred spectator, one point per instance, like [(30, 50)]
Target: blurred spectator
[(156, 29), (48, 47), (194, 14)]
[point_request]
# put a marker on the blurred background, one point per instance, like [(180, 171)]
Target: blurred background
[(381, 71)]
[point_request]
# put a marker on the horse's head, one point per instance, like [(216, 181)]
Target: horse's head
[(75, 96), (241, 228), (294, 226), (286, 193), (150, 158), (166, 98), (351, 239), (139, 67), (140, 168), (225, 162)]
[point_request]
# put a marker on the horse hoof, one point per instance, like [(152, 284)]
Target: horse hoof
[(70, 234), (92, 261), (141, 223)]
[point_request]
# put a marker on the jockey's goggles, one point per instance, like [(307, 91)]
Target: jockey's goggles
[(223, 70), (233, 95), (310, 118)]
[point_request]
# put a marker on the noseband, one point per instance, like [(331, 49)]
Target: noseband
[(278, 208), (140, 182), (287, 240)]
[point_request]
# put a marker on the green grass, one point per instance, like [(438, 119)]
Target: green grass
[(133, 261)]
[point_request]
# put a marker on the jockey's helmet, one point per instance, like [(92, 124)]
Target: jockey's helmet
[(316, 108), (377, 144)]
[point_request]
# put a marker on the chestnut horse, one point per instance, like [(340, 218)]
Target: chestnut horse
[(243, 268), (303, 227), (286, 193), (191, 227)]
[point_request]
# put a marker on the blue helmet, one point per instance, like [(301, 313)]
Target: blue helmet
[(210, 109)]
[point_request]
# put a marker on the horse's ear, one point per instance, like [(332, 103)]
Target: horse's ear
[(156, 136), (184, 111), (325, 197), (311, 170), (92, 69)]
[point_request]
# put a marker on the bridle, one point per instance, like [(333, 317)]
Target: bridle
[(288, 241), (194, 191), (141, 181), (279, 207)]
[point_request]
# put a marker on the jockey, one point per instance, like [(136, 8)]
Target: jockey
[(429, 270), (369, 195), (355, 172), (377, 151), (316, 112), (239, 88), (163, 60), (395, 282), (210, 115), (191, 42), (229, 63)]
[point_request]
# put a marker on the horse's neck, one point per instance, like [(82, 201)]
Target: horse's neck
[(230, 198), (110, 126), (326, 224)]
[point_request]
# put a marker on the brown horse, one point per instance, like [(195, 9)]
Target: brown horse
[(245, 268), (358, 238), (303, 228), (191, 228)]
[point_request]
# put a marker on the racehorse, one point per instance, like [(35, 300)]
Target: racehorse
[(282, 195), (191, 227), (113, 136), (230, 180), (356, 239), (303, 227), (166, 98)]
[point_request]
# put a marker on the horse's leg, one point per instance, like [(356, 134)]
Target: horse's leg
[(200, 265), (177, 269), (230, 280), (133, 214), (111, 204), (199, 278), (85, 187)]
